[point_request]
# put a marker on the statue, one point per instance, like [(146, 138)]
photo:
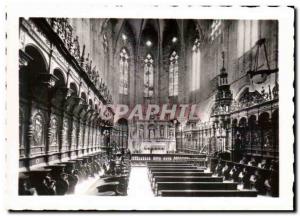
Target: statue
[(37, 131), (75, 50), (53, 132)]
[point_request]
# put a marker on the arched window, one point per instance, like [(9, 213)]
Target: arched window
[(196, 65), (148, 76), (173, 74), (123, 67)]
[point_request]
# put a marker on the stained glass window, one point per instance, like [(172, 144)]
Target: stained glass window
[(123, 67), (196, 65), (173, 74), (148, 76)]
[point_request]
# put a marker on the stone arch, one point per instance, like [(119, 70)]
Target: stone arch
[(243, 122), (74, 89), (29, 76), (61, 81), (37, 56), (263, 118), (252, 121), (234, 122), (96, 106), (83, 96), (91, 104), (241, 92)]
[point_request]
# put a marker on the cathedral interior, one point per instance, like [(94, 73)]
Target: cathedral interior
[(71, 68)]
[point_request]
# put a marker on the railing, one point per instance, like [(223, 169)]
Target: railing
[(166, 157), (142, 159)]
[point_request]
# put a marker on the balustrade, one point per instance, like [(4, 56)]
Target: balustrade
[(199, 158)]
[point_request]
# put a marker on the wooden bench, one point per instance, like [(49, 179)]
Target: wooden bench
[(172, 170), (184, 179), (172, 167), (169, 162), (207, 193), (187, 179), (162, 166), (180, 174), (193, 173), (194, 186)]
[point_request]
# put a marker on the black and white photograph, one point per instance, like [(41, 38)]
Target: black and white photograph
[(140, 110)]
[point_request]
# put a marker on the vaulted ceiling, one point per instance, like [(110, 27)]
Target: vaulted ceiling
[(157, 29)]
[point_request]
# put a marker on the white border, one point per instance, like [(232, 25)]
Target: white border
[(34, 8)]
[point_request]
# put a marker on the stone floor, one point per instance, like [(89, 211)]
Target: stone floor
[(139, 185)]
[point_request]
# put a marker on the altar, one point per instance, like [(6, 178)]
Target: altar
[(154, 137), (157, 147)]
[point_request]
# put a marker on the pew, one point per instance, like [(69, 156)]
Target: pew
[(194, 186), (194, 173), (169, 162), (150, 171), (173, 167), (186, 179), (207, 193), (157, 179)]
